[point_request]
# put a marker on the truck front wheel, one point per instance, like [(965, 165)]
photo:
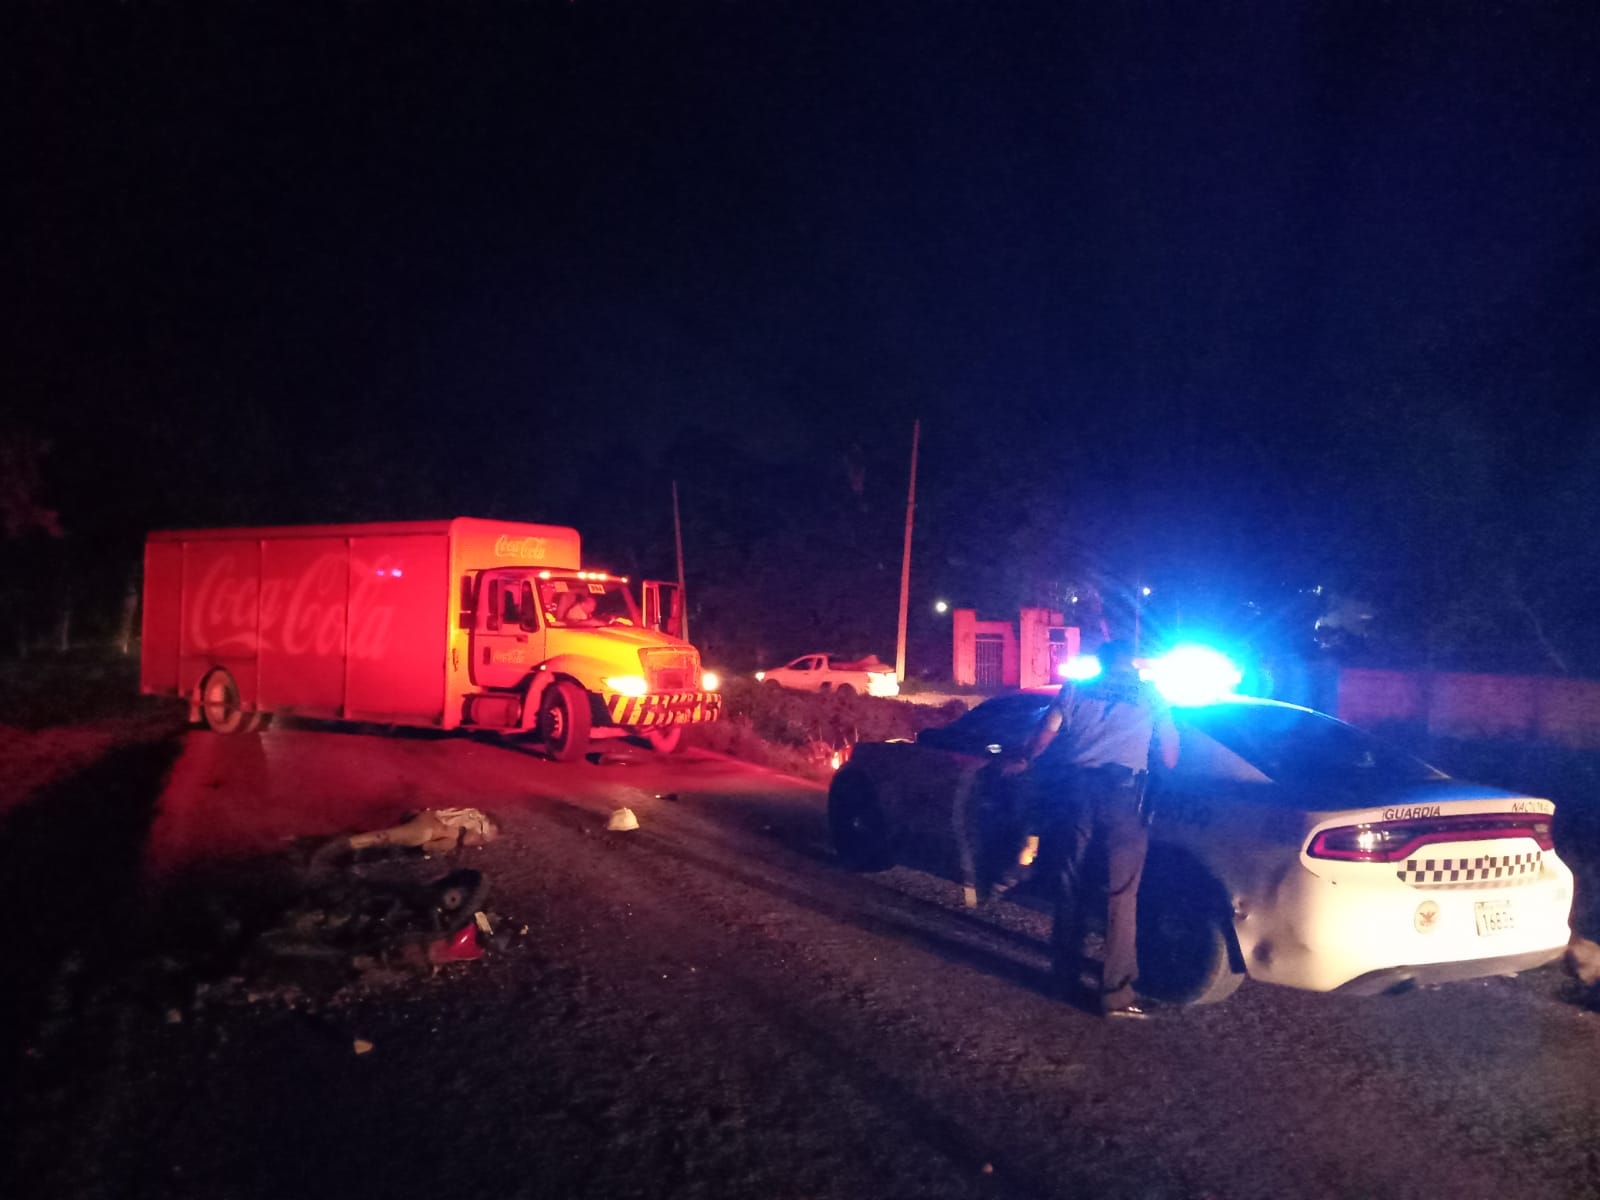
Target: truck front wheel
[(564, 720), (665, 739)]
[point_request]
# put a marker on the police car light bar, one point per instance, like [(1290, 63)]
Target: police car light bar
[(1193, 674), (1080, 668)]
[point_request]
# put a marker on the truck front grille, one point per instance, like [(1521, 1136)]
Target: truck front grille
[(672, 670)]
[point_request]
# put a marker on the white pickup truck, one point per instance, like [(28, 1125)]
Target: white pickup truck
[(831, 673)]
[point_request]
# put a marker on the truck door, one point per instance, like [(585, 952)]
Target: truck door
[(505, 631), (663, 607)]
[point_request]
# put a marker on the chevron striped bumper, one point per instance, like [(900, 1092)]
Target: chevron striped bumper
[(668, 708)]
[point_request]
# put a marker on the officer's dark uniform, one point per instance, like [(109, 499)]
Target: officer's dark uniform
[(1101, 748)]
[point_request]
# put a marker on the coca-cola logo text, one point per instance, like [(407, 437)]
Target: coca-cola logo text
[(523, 549), (302, 614)]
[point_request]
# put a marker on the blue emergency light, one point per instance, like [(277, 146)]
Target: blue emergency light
[(1186, 675), (1080, 668), (1193, 674)]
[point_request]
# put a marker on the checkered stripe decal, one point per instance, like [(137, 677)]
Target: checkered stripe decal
[(671, 708), (1482, 869)]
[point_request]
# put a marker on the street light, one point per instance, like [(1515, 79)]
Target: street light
[(1138, 615), (941, 606)]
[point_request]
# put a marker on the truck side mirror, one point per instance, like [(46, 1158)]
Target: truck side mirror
[(465, 604)]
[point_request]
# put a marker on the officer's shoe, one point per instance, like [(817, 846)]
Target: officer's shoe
[(1014, 877), (1127, 1012)]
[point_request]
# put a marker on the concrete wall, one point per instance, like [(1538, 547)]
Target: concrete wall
[(1562, 712)]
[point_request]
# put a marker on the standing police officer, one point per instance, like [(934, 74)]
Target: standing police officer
[(1096, 739)]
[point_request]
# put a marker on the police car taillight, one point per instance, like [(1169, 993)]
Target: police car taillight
[(1392, 841)]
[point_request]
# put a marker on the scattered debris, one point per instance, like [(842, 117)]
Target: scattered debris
[(461, 947), (622, 821), (361, 1046), (360, 921), (174, 1016), (433, 829)]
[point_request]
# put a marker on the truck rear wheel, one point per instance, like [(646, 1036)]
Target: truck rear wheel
[(220, 706), (564, 720)]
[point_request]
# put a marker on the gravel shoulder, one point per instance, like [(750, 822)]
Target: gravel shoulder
[(708, 1006)]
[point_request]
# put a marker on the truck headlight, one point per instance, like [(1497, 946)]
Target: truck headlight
[(627, 685), (709, 681)]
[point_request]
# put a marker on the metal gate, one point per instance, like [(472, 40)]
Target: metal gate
[(991, 655)]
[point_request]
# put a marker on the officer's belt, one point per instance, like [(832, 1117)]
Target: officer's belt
[(1110, 775)]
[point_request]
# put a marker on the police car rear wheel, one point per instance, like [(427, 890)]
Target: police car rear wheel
[(1184, 951), (856, 824)]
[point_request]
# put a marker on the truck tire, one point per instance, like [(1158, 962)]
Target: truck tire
[(666, 739), (844, 689), (564, 721), (856, 824), (1185, 950), (221, 708)]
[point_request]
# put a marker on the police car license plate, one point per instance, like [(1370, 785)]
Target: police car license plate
[(1494, 916)]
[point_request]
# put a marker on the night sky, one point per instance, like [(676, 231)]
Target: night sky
[(1236, 299)]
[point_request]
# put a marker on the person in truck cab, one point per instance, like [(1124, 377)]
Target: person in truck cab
[(582, 610)]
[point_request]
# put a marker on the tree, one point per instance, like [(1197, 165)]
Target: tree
[(22, 507), (28, 523)]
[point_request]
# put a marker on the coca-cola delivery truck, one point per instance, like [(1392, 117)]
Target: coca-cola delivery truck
[(465, 623)]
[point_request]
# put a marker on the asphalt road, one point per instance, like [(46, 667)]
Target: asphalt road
[(706, 1006)]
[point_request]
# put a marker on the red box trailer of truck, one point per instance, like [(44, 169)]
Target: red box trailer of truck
[(492, 625)]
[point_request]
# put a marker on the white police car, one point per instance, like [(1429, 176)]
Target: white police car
[(1286, 847)]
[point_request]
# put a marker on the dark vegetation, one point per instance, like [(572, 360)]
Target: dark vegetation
[(800, 731), (86, 684)]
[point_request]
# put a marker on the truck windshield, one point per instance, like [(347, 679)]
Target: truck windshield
[(586, 603)]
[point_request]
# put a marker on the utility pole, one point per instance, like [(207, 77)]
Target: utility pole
[(683, 592), (905, 559)]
